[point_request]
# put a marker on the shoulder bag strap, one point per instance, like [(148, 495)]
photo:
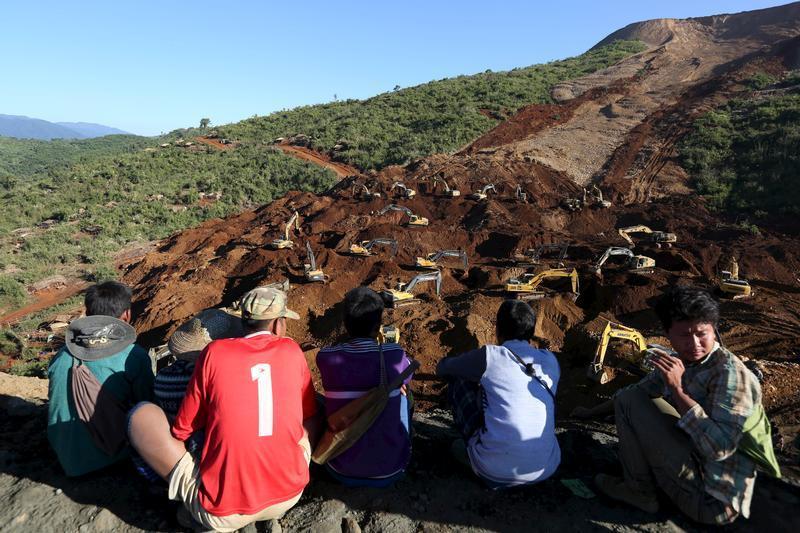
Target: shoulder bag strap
[(529, 370)]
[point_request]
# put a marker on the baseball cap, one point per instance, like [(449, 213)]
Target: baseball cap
[(265, 303)]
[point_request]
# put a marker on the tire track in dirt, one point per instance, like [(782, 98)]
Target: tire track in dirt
[(340, 169)]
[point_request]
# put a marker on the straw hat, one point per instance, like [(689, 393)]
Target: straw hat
[(194, 335)]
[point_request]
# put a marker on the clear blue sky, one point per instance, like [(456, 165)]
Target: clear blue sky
[(148, 67)]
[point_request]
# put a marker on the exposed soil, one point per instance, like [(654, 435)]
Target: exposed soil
[(616, 128), (42, 300), (214, 143)]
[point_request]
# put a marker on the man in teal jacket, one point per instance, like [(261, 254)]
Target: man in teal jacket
[(85, 422)]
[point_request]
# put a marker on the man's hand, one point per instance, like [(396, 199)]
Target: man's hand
[(671, 368), (404, 389)]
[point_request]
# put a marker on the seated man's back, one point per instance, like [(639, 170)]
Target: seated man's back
[(350, 369), (251, 395), (517, 443), (84, 438)]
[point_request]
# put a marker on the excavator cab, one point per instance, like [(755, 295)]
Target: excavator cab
[(364, 248), (733, 287), (526, 287), (430, 261), (602, 373), (285, 242), (310, 270), (402, 296)]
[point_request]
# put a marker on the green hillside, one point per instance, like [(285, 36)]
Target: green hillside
[(744, 157), (440, 116), (100, 194)]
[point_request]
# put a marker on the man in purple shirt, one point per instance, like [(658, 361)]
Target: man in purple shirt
[(348, 371)]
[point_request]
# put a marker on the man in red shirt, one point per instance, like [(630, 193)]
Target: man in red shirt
[(254, 398)]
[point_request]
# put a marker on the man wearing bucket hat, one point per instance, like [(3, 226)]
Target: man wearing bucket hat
[(94, 380), (254, 398)]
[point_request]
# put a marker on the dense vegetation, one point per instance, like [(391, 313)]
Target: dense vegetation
[(440, 116), (97, 206), (745, 156)]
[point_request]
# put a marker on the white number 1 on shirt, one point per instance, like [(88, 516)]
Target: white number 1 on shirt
[(262, 373)]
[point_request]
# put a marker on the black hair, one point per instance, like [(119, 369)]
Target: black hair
[(363, 312), (252, 324), (110, 298), (684, 303), (515, 321)]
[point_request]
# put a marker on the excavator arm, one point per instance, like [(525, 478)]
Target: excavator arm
[(310, 255)]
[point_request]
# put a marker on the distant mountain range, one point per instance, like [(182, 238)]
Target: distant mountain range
[(34, 128)]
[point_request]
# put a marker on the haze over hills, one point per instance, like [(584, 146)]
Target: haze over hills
[(23, 127)]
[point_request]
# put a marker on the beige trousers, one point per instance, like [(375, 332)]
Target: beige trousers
[(184, 482), (655, 452)]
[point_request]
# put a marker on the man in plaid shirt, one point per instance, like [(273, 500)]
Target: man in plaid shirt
[(680, 426)]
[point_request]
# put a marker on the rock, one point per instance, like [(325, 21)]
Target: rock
[(21, 518), (106, 521), (59, 492), (389, 523), (318, 516), (350, 525)]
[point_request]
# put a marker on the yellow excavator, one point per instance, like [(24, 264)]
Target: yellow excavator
[(413, 220), (448, 192), (526, 287), (404, 192), (389, 333), (430, 261), (361, 191), (364, 248), (285, 242), (310, 269), (659, 238), (595, 197), (598, 371), (639, 264), (483, 194), (731, 286), (402, 296)]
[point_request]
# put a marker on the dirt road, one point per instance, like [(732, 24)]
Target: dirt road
[(306, 154)]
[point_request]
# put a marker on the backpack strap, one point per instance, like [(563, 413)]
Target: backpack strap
[(530, 371)]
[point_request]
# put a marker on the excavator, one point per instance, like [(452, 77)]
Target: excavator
[(431, 260), (405, 192), (527, 286), (448, 192), (659, 238), (279, 244), (731, 286), (603, 374), (595, 195), (402, 296), (639, 264), (520, 195), (533, 257), (484, 193), (388, 334), (362, 192), (572, 204), (364, 248), (310, 269), (413, 220)]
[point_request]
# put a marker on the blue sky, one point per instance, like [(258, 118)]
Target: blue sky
[(148, 67)]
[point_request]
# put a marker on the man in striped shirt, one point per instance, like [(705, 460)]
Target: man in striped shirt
[(679, 428), (350, 369)]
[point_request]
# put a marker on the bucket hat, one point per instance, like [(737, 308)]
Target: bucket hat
[(210, 324), (96, 337)]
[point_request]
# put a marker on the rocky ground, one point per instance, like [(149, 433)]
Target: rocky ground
[(437, 495)]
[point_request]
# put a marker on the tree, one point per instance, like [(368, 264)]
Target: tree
[(204, 122)]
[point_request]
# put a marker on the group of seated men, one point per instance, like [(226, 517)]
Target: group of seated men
[(231, 425)]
